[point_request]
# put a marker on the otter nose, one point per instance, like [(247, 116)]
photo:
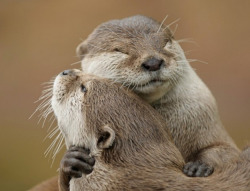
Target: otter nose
[(67, 72), (152, 64)]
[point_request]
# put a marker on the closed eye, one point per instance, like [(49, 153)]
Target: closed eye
[(119, 50)]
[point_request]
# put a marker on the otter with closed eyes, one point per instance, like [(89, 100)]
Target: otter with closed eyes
[(129, 140), (143, 55)]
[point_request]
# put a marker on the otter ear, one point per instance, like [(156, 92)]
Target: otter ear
[(106, 138), (82, 49)]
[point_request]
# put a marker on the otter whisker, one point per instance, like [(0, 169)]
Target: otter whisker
[(162, 23), (58, 150), (50, 81), (58, 146), (187, 40), (52, 145), (52, 122), (41, 105), (188, 51), (196, 60), (44, 113), (52, 133), (37, 109), (74, 63), (175, 29), (168, 26), (134, 87), (46, 92), (193, 60), (47, 111), (50, 110), (45, 97), (52, 116), (44, 106), (47, 88)]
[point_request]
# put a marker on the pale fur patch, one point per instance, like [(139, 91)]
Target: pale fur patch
[(113, 66), (104, 65), (70, 117)]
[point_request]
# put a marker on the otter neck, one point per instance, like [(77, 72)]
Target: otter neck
[(144, 148)]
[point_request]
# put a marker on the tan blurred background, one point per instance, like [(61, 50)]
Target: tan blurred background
[(38, 40)]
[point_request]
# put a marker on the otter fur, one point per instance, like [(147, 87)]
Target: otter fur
[(141, 54), (129, 140), (47, 185)]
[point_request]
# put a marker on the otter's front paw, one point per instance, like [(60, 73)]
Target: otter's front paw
[(76, 162), (197, 169)]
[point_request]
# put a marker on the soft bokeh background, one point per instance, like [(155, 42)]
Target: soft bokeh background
[(38, 40)]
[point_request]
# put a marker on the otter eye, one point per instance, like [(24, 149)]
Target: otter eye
[(83, 89), (119, 50)]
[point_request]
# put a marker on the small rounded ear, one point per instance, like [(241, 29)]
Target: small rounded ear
[(82, 49), (106, 138)]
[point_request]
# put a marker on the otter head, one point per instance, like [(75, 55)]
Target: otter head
[(70, 105), (102, 116), (137, 52)]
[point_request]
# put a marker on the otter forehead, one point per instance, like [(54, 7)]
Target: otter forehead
[(138, 32)]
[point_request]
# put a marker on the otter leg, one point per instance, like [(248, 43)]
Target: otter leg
[(197, 169), (75, 162), (205, 160)]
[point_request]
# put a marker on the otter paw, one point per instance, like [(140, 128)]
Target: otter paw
[(197, 169), (76, 162)]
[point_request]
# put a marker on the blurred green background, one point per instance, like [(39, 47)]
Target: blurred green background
[(38, 40)]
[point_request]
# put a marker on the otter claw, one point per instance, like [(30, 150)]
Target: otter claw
[(76, 162), (197, 169)]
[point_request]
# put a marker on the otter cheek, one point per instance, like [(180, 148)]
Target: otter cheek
[(103, 65)]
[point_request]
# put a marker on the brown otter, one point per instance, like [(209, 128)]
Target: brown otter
[(48, 185), (129, 140), (141, 54)]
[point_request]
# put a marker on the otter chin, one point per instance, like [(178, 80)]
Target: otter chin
[(128, 138)]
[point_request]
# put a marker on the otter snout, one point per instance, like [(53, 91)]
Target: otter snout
[(66, 72), (70, 72), (152, 64)]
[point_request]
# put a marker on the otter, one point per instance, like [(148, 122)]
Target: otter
[(143, 55), (129, 140), (47, 185)]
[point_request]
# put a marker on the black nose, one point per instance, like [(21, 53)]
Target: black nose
[(152, 64), (66, 72)]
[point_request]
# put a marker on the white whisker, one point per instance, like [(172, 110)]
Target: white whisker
[(171, 24), (162, 23), (52, 133), (78, 62)]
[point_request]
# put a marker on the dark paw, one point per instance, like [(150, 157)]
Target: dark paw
[(197, 169), (76, 162)]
